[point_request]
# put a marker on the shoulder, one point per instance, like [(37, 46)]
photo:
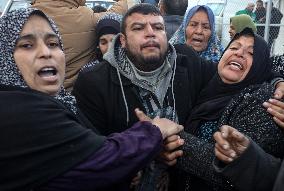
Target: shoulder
[(94, 70)]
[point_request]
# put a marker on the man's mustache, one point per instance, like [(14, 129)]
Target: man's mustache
[(150, 44)]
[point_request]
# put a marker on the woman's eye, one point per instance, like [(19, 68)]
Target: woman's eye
[(25, 45), (53, 44), (233, 48), (206, 27)]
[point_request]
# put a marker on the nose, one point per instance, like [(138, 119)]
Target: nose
[(198, 29), (149, 31), (240, 52), (43, 50)]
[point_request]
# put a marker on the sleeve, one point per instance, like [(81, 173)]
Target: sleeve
[(197, 160), (119, 159), (90, 99), (253, 170)]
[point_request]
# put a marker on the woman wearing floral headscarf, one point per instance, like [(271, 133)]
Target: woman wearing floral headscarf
[(198, 31), (44, 141)]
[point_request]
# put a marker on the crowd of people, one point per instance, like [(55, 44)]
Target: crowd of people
[(259, 17), (127, 99)]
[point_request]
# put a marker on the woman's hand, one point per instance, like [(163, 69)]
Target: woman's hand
[(276, 107), (230, 144), (171, 152), (166, 126)]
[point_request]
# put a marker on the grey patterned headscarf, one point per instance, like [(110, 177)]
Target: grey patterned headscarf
[(11, 25)]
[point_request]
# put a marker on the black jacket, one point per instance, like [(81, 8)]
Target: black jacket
[(100, 98), (172, 23), (261, 174), (40, 139)]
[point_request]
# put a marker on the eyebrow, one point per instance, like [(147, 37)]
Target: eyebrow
[(200, 22), (143, 23), (239, 44), (33, 37)]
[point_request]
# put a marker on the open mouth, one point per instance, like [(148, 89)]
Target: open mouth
[(47, 72), (197, 40), (236, 65)]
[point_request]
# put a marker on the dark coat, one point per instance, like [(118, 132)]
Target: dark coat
[(41, 136), (172, 23), (261, 174), (100, 98), (248, 116)]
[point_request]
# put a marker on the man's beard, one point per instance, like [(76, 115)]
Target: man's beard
[(146, 63)]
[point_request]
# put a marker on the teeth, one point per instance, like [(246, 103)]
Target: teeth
[(237, 64), (48, 71)]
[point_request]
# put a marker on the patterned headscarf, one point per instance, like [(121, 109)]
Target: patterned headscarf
[(11, 26), (214, 48), (240, 22)]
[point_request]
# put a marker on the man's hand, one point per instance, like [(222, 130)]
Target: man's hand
[(166, 126), (170, 153), (230, 144)]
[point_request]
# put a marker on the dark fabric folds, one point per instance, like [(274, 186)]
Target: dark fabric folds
[(41, 136)]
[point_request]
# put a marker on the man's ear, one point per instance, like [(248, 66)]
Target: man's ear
[(122, 40)]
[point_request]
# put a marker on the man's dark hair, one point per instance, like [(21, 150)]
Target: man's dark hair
[(176, 7), (99, 9), (142, 8)]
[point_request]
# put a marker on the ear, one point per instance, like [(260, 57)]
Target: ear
[(162, 8), (122, 39)]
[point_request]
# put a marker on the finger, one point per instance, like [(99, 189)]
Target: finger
[(170, 156), (173, 145), (222, 157), (225, 130), (171, 139), (279, 122), (171, 163), (241, 138), (141, 115), (230, 153), (275, 113), (175, 130), (279, 92), (274, 104), (220, 140)]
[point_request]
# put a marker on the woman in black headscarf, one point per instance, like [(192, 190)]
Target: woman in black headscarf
[(234, 96), (44, 145)]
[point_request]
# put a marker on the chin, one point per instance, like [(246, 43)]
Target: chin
[(52, 91)]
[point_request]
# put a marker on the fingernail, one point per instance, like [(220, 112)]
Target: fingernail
[(271, 100), (233, 154), (269, 109), (230, 159), (225, 147), (266, 104), (181, 141)]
